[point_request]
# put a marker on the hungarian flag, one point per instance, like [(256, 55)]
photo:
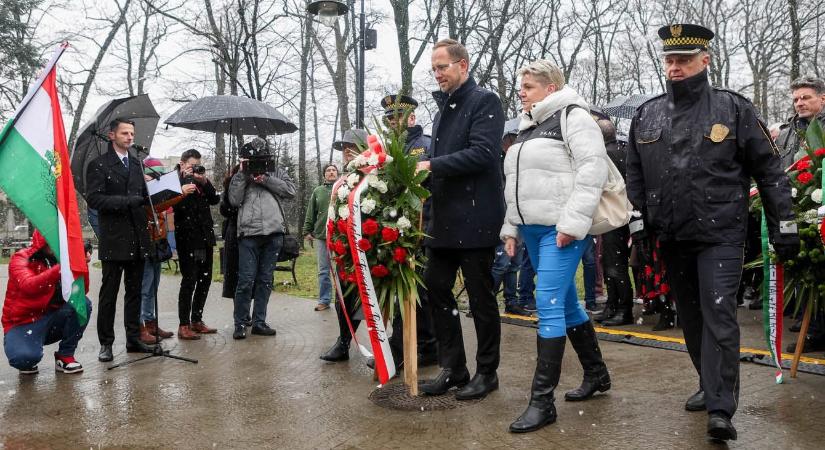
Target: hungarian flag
[(37, 177)]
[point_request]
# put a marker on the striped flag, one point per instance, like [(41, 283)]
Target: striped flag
[(37, 177)]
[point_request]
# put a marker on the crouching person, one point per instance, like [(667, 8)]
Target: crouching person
[(35, 314)]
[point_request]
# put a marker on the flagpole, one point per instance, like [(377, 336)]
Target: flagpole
[(58, 52)]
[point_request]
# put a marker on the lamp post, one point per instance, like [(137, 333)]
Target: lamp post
[(328, 12)]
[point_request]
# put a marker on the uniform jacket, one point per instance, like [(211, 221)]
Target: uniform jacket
[(111, 188), (788, 139), (194, 228), (315, 221), (691, 155), (32, 285), (467, 205), (418, 143), (259, 212), (546, 183)]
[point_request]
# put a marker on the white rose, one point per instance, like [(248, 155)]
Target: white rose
[(353, 179), (404, 223), (343, 212), (817, 195), (793, 192), (367, 206), (343, 192), (393, 213), (381, 186), (372, 179), (331, 212), (373, 161)]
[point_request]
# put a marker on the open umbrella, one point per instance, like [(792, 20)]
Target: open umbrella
[(92, 141), (231, 114), (625, 107)]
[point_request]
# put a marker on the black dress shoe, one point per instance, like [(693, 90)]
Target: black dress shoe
[(138, 347), (445, 380), (796, 326), (263, 330), (516, 310), (105, 354), (696, 402), (481, 385), (371, 363), (240, 332), (338, 352), (720, 428)]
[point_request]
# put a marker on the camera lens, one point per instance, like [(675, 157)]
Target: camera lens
[(200, 170)]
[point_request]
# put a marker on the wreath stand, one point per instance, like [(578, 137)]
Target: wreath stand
[(800, 340)]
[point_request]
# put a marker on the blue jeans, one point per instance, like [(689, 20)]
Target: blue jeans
[(257, 256), (526, 281), (589, 269), (505, 269), (324, 283), (556, 299), (149, 290), (24, 343)]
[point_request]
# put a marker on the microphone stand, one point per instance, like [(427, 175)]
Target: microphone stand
[(157, 349)]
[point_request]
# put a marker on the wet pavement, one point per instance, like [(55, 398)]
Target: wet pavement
[(266, 392)]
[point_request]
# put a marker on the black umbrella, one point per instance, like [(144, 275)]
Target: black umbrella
[(231, 114), (92, 140), (625, 107)]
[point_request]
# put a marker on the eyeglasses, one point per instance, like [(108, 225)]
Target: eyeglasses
[(442, 67)]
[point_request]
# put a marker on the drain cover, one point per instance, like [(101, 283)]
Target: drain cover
[(397, 396)]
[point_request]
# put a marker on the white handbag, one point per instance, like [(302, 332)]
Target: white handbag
[(614, 208)]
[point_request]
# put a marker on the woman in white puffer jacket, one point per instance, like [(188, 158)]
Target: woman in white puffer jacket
[(555, 171)]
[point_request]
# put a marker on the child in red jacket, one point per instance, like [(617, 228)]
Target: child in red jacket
[(35, 314)]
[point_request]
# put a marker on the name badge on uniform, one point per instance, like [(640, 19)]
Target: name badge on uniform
[(718, 132)]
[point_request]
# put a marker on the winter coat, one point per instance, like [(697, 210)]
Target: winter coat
[(32, 286), (691, 155), (113, 191), (467, 205), (547, 184), (259, 212), (788, 139), (315, 221), (194, 228), (418, 143)]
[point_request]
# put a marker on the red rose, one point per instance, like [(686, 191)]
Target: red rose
[(820, 152), (389, 234), (379, 271), (399, 255), (370, 227), (330, 228), (805, 177), (382, 158), (803, 164), (342, 226), (342, 275), (339, 247), (364, 245)]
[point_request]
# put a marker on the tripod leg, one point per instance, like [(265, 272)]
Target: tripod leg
[(131, 361)]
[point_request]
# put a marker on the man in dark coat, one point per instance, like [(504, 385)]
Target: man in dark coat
[(195, 238), (691, 155), (808, 94), (466, 214), (117, 190)]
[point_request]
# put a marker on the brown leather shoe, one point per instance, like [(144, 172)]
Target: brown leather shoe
[(200, 327), (146, 335), (153, 324), (185, 332)]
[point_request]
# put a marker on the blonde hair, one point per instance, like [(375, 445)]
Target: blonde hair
[(545, 72)]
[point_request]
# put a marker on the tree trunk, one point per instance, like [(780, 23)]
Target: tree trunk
[(796, 31)]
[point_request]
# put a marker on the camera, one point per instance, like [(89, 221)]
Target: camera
[(259, 164), (198, 169)]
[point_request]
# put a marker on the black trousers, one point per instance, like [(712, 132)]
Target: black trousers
[(425, 334), (352, 302), (705, 278), (132, 272), (439, 277), (615, 257), (196, 277)]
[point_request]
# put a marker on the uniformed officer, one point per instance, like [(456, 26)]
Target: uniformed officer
[(691, 155), (398, 110), (396, 107)]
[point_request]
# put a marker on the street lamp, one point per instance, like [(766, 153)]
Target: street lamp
[(328, 12)]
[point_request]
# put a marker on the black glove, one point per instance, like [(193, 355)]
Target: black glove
[(136, 200), (788, 249)]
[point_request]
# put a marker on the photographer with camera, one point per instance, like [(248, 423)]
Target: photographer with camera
[(257, 190), (196, 241)]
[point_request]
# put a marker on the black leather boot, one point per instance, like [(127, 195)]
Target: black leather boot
[(596, 376), (445, 380), (541, 410), (624, 316), (338, 352)]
